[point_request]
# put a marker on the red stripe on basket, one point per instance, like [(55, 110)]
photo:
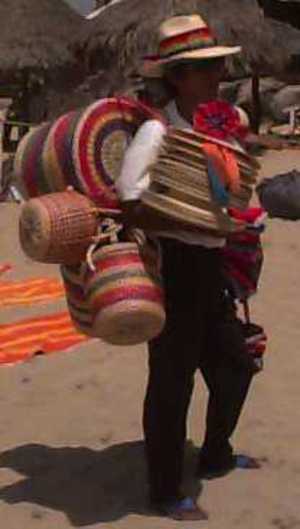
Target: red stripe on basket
[(118, 261), (146, 293), (104, 194), (59, 140), (31, 161)]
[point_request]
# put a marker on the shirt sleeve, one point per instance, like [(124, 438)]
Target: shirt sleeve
[(134, 176), (243, 117)]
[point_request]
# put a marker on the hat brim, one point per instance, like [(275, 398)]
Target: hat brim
[(210, 219), (156, 69), (194, 138)]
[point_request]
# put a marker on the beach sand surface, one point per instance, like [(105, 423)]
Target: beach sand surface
[(70, 429)]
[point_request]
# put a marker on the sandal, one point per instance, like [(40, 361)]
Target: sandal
[(181, 510)]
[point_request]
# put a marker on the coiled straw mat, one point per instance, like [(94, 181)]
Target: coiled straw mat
[(83, 149)]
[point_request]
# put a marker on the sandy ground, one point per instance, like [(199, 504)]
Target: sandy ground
[(70, 429)]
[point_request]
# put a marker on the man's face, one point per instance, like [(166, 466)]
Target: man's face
[(201, 78)]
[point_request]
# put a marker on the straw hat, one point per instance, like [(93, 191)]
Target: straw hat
[(185, 37)]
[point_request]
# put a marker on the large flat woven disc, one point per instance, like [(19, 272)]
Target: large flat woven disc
[(102, 136)]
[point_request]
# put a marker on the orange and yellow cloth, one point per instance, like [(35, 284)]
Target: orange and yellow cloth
[(29, 291), (25, 338), (45, 334)]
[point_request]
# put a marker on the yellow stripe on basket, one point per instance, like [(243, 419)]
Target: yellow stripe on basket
[(121, 283)]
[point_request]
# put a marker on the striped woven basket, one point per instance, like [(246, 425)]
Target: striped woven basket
[(28, 166), (80, 312), (126, 302), (83, 149)]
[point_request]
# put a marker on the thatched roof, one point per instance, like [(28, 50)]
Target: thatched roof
[(287, 35), (125, 32), (37, 33)]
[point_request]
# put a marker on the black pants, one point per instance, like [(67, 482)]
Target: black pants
[(201, 331)]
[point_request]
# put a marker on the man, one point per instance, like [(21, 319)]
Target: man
[(200, 329)]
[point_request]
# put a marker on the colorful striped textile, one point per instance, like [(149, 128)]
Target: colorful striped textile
[(224, 164), (45, 334), (243, 254), (191, 40), (39, 290)]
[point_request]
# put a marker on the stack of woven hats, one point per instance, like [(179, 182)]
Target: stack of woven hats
[(181, 187)]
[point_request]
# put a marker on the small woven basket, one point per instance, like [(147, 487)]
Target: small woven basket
[(58, 227), (126, 301)]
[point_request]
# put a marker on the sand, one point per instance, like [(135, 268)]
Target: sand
[(70, 430)]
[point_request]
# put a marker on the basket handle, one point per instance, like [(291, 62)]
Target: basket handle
[(110, 235), (106, 212)]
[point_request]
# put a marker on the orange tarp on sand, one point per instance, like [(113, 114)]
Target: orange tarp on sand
[(29, 291), (46, 334)]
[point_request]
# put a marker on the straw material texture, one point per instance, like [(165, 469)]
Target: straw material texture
[(57, 228), (180, 187), (127, 302)]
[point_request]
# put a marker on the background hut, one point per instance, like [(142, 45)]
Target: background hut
[(38, 55), (123, 33), (37, 34), (38, 40)]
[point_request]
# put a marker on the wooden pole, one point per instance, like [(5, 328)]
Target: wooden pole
[(256, 104)]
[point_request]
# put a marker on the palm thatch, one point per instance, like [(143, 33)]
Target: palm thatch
[(37, 34), (125, 32)]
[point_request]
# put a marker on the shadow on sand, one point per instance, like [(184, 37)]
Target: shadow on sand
[(88, 486)]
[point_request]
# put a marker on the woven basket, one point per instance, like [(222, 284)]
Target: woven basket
[(28, 165), (81, 315), (83, 149), (127, 303), (58, 227)]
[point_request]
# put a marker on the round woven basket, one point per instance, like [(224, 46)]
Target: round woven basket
[(28, 165), (127, 303), (81, 315), (83, 149), (58, 227)]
